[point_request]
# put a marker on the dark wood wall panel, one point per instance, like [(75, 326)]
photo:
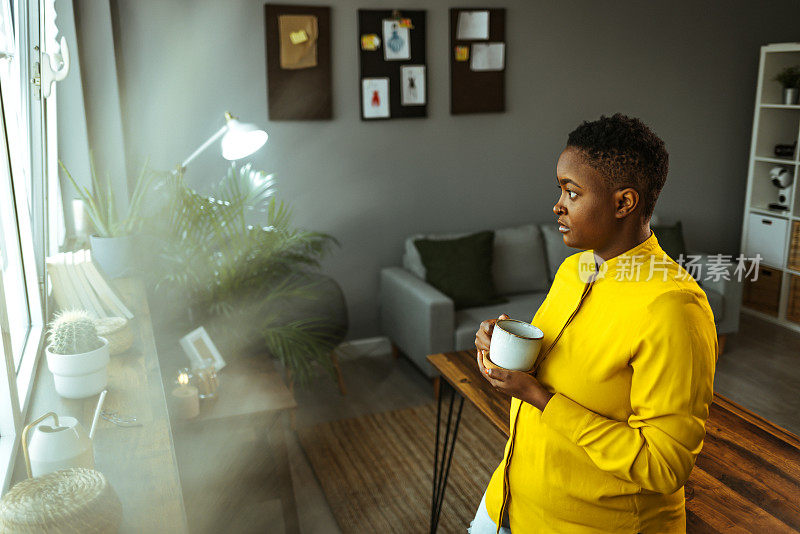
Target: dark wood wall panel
[(471, 91), (373, 64)]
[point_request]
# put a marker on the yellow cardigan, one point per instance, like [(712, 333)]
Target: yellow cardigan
[(633, 377)]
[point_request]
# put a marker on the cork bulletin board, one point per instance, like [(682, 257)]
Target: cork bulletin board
[(298, 43), (393, 70), (477, 60)]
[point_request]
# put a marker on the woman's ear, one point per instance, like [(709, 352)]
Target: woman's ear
[(625, 202)]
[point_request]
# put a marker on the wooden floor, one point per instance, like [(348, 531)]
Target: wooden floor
[(760, 370)]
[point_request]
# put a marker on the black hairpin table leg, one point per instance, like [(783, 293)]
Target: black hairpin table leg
[(441, 462)]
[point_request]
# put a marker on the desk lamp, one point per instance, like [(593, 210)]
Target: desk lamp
[(239, 140)]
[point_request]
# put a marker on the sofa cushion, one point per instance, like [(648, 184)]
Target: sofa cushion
[(555, 248), (411, 258), (519, 264), (522, 307), (461, 268)]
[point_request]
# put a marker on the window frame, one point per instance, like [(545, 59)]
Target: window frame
[(31, 209)]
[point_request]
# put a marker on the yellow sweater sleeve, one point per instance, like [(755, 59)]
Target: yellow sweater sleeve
[(672, 361)]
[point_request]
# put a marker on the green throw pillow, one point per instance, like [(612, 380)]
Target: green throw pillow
[(461, 268), (671, 240)]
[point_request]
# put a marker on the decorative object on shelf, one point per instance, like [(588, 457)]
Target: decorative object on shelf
[(789, 78), (207, 382), (782, 178), (118, 332), (201, 350), (785, 151), (69, 500), (299, 69), (393, 83), (115, 418), (76, 355), (234, 258), (77, 283), (185, 400), (58, 446), (114, 255), (112, 244)]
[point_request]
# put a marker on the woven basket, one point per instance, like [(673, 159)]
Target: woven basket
[(74, 500), (117, 331), (793, 308), (793, 261)]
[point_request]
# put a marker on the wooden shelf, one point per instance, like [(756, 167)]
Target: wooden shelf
[(764, 211), (139, 462), (764, 231), (781, 161), (781, 106)]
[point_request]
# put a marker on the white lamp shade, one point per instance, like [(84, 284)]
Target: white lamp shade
[(241, 140)]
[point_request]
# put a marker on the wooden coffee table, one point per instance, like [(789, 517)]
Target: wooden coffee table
[(746, 478)]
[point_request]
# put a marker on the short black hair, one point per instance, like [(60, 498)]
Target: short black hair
[(627, 153)]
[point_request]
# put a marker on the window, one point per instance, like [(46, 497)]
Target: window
[(23, 155)]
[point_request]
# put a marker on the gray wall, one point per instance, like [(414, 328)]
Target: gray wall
[(687, 68)]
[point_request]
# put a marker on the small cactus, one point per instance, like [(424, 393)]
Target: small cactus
[(73, 332)]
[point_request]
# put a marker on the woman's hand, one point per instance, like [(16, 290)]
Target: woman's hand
[(516, 384), (483, 337)]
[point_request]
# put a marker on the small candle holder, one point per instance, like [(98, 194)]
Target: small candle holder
[(207, 382), (185, 401), (184, 377)]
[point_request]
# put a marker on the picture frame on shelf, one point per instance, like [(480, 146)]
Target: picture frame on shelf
[(201, 351)]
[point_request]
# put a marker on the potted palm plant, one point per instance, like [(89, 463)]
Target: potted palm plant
[(789, 78), (235, 260), (112, 241), (76, 355)]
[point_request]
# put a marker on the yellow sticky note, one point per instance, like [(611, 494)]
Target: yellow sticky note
[(370, 41), (298, 37), (406, 23), (462, 53)]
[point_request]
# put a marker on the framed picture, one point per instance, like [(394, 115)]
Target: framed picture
[(375, 98), (396, 41), (201, 350), (413, 79)]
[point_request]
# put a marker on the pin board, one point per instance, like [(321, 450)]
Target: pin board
[(477, 60), (392, 63), (298, 41)]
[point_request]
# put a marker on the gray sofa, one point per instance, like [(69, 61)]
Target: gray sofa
[(420, 320)]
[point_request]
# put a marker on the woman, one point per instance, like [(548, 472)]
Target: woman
[(605, 431)]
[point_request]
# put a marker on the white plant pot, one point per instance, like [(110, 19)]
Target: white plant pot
[(78, 376)]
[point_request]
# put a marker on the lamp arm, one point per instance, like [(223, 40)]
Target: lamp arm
[(204, 146)]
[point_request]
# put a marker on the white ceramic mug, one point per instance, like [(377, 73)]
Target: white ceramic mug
[(515, 344)]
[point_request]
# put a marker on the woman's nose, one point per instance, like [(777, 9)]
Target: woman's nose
[(558, 209)]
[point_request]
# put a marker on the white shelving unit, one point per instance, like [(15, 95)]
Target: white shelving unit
[(768, 231)]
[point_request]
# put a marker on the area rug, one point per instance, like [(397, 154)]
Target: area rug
[(377, 471)]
